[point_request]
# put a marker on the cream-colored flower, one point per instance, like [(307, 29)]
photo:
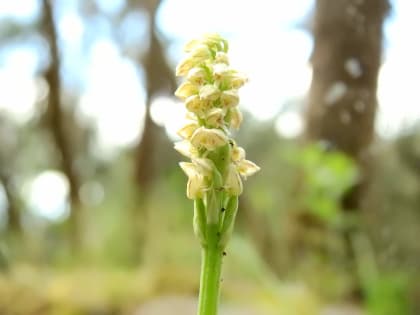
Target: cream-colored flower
[(200, 52), (229, 98), (196, 182), (187, 131), (196, 105), (209, 92), (221, 71), (204, 166), (237, 154), (237, 79), (247, 168), (208, 138), (233, 185), (222, 57), (186, 149), (196, 57), (210, 39), (186, 89), (236, 117), (197, 75), (215, 117), (184, 66)]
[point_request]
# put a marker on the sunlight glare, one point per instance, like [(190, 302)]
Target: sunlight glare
[(47, 195)]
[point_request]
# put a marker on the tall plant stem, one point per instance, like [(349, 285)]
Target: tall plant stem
[(211, 267)]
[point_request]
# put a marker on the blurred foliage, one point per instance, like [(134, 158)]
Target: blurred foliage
[(287, 255), (327, 177)]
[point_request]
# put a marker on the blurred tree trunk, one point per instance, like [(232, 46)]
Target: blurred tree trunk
[(14, 224), (345, 60), (160, 78), (148, 154), (56, 120), (342, 99)]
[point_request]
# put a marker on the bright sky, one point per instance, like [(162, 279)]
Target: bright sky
[(265, 43)]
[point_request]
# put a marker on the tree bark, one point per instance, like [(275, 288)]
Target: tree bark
[(55, 120), (346, 59), (160, 78), (342, 100), (14, 224)]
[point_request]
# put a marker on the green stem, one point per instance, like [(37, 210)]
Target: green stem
[(211, 267)]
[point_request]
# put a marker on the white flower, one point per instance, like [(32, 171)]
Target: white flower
[(208, 138)]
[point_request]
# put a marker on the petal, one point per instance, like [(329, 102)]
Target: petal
[(209, 92), (233, 184), (185, 148), (247, 168), (222, 57), (196, 105), (200, 52), (204, 166), (187, 131), (197, 75), (220, 71), (195, 187), (237, 80), (208, 138), (184, 66), (185, 90), (236, 117), (229, 98), (238, 154), (215, 117), (209, 39), (189, 169)]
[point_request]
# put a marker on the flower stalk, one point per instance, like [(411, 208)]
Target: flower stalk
[(210, 94)]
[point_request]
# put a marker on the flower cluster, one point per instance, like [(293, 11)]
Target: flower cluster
[(210, 94)]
